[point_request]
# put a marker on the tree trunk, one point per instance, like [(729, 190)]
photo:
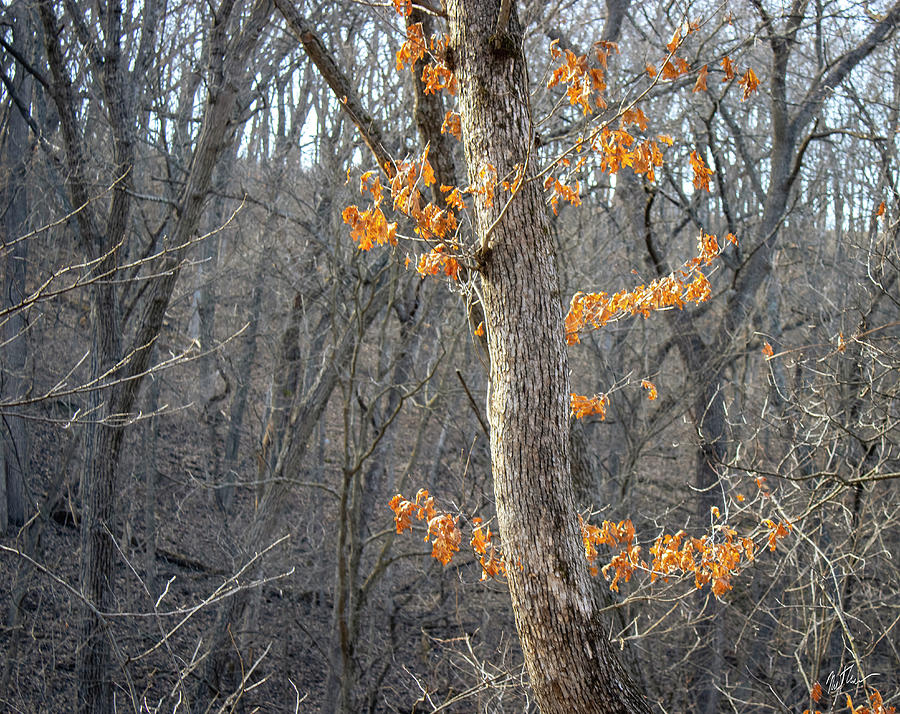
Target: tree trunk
[(563, 636), (147, 473), (296, 427), (14, 352), (239, 405), (99, 235)]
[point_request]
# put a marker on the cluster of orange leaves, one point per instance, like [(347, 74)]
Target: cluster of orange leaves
[(713, 559), (687, 284), (443, 529), (436, 261), (436, 75), (585, 83), (586, 406), (582, 406), (370, 227), (701, 172), (452, 124), (776, 531), (431, 222), (748, 82), (615, 148), (674, 67), (489, 555), (618, 148), (561, 190), (619, 536), (876, 703), (413, 48)]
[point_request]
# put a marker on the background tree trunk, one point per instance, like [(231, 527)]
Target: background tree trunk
[(14, 204)]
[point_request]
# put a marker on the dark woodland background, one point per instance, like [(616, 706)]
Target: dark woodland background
[(186, 323)]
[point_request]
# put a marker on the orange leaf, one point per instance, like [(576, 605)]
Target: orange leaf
[(403, 7), (427, 173), (700, 84), (670, 71), (880, 211), (447, 537), (454, 200), (816, 693), (675, 41), (634, 116), (767, 350), (728, 67), (721, 586), (701, 172), (414, 48), (452, 125), (749, 82), (585, 406)]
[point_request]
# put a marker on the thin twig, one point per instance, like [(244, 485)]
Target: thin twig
[(487, 432)]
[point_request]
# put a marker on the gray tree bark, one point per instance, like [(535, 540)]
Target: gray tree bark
[(563, 635), (14, 204)]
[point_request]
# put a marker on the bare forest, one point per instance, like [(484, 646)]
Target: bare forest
[(450, 356)]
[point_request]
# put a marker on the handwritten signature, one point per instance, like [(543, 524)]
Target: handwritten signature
[(838, 682)]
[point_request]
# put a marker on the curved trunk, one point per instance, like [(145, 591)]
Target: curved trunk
[(563, 637)]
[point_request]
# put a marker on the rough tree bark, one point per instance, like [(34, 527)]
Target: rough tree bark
[(563, 636), (14, 355)]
